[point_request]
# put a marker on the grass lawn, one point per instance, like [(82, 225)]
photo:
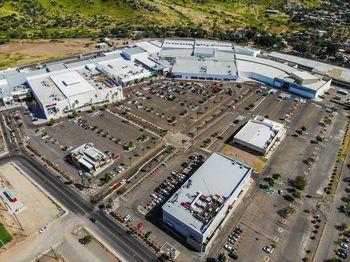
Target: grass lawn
[(5, 236)]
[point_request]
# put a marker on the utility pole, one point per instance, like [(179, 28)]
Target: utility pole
[(53, 251)]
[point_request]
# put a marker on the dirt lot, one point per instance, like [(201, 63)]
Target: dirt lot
[(24, 52), (254, 161), (71, 250), (40, 209)]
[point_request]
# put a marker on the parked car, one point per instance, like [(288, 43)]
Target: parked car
[(233, 256), (267, 249), (240, 229), (231, 240), (127, 218), (344, 246), (229, 248), (43, 229), (237, 232), (233, 237), (342, 254)]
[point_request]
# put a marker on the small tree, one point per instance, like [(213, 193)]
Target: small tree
[(276, 176), (87, 239), (130, 144), (33, 103), (303, 128), (222, 257), (52, 121), (75, 113), (183, 142), (300, 183), (93, 107), (296, 194), (319, 139)]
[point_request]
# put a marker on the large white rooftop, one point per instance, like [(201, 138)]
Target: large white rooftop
[(219, 175), (337, 72), (125, 69), (204, 66), (175, 43), (259, 132), (71, 83), (148, 47)]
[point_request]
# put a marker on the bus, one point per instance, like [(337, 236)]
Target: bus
[(10, 195)]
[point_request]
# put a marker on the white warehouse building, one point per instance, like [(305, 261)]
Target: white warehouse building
[(220, 61), (59, 93), (260, 135), (197, 209)]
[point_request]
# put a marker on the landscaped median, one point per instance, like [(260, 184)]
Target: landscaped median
[(5, 236), (136, 230), (338, 167), (345, 145)]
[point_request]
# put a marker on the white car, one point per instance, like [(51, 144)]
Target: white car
[(43, 229), (344, 246), (123, 181), (154, 196), (267, 249), (231, 240), (229, 248), (127, 218)]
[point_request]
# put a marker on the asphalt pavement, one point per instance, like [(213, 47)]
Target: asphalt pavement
[(128, 246)]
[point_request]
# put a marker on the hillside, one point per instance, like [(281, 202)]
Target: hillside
[(311, 28), (79, 18)]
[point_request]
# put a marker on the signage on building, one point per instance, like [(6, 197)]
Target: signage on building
[(51, 105)]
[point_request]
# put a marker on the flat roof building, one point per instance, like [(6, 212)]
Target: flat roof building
[(125, 72), (88, 159), (71, 83), (204, 69), (260, 134), (58, 93), (200, 205)]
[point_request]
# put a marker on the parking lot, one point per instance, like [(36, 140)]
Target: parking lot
[(265, 227), (106, 131), (143, 204), (210, 114), (177, 105)]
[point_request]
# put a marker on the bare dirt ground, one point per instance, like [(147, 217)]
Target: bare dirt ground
[(254, 161), (25, 52), (71, 250), (40, 209)]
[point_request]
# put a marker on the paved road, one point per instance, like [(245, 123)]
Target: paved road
[(129, 247)]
